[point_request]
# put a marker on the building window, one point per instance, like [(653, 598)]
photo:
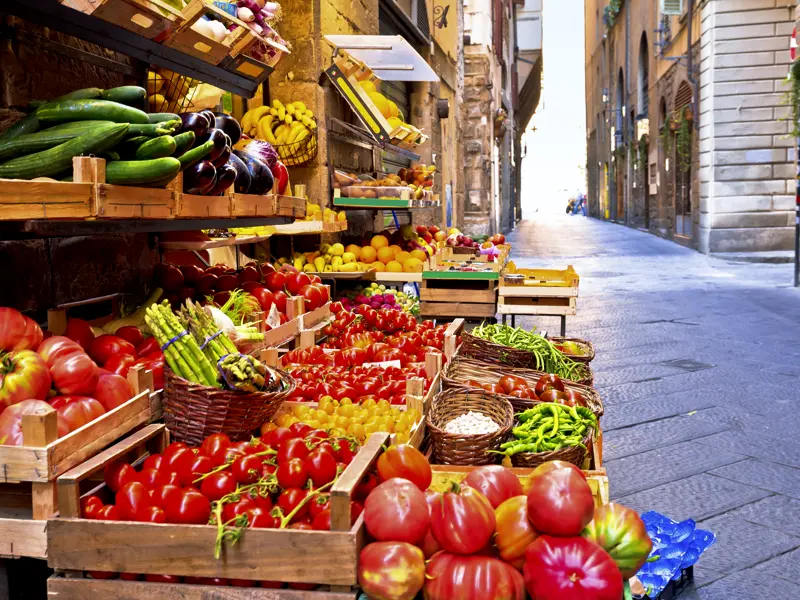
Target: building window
[(644, 76)]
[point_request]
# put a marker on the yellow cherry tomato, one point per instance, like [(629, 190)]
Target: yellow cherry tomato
[(383, 403), (322, 416), (401, 437), (369, 403)]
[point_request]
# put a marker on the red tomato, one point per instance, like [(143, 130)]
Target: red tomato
[(260, 518), (264, 502), (154, 363), (396, 511), (450, 576), (554, 465), (462, 521), (75, 374), (570, 568), (511, 382), (216, 447), (118, 474), (132, 500), (391, 570), (217, 485), (113, 391), (80, 332), (231, 510), (296, 281), (292, 473), (188, 508), (319, 504), (247, 469), (276, 437), (560, 502), (406, 462), (100, 575), (162, 578), (497, 483), (322, 522), (275, 281), (131, 334), (106, 346), (206, 581), (172, 449), (241, 582), (514, 532), (321, 467), (151, 478), (23, 376), (154, 461), (548, 382), (346, 451), (621, 532), (200, 466), (264, 297), (108, 513), (119, 364), (54, 348), (152, 514), (78, 411), (130, 576), (90, 506), (148, 346), (300, 429), (290, 499), (12, 328), (293, 448)]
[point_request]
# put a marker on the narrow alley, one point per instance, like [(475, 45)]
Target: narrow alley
[(702, 354)]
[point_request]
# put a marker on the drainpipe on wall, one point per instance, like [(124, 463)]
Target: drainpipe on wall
[(690, 64), (628, 137)]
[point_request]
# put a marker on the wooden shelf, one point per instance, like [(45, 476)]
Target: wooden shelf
[(385, 203)]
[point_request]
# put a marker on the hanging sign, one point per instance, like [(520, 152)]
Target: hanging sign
[(445, 26)]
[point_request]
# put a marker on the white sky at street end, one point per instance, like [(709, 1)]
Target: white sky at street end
[(554, 168)]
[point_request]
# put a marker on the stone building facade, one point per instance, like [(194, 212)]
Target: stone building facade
[(686, 121)]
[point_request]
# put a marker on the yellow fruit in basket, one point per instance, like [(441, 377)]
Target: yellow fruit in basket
[(378, 242), (341, 216), (412, 265), (419, 254), (337, 249), (378, 266), (394, 267), (385, 255), (402, 256), (393, 110), (154, 83), (368, 255), (394, 122), (349, 257), (157, 103), (381, 103), (354, 249), (177, 88), (367, 86)]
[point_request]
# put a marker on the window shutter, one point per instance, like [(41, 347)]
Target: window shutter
[(672, 7)]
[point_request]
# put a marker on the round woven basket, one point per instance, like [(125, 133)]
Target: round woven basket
[(570, 454), (192, 411), (461, 370), (467, 450), (498, 354), (587, 349)]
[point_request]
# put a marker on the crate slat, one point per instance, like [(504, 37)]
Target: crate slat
[(536, 306)]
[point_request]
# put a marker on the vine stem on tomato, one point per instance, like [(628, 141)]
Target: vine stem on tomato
[(227, 465)]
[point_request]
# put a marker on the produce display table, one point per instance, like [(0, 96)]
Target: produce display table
[(471, 295), (544, 292)]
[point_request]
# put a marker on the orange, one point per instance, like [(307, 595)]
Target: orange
[(420, 254), (402, 256), (413, 265), (378, 266), (368, 254), (394, 267), (379, 241), (355, 250), (396, 248), (385, 255)]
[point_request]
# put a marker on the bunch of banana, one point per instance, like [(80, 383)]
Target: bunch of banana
[(287, 127)]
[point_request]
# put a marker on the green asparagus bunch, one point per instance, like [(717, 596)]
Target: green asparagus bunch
[(202, 328), (183, 355)]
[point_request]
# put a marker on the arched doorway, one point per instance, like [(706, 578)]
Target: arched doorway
[(643, 87), (643, 94), (684, 142)]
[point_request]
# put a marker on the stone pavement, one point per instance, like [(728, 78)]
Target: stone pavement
[(698, 363)]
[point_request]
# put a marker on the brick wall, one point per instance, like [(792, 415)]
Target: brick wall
[(746, 155)]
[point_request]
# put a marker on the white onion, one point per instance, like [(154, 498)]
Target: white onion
[(246, 15), (219, 31), (257, 28), (203, 27)]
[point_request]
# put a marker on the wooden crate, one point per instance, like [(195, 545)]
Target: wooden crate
[(541, 283), (195, 44), (28, 477), (65, 588), (444, 475), (319, 557), (291, 206), (252, 205), (518, 305), (21, 200), (148, 18), (470, 299)]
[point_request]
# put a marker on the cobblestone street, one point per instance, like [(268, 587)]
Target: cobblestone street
[(698, 363)]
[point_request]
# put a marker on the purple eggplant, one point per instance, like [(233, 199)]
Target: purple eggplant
[(198, 177), (226, 176), (243, 178), (222, 158), (229, 125), (209, 115), (220, 143), (196, 123), (261, 176)]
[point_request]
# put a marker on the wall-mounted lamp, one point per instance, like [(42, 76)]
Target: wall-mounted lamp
[(443, 108)]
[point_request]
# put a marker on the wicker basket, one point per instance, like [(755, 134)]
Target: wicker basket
[(467, 450), (586, 347), (461, 369), (192, 411), (498, 354), (570, 454)]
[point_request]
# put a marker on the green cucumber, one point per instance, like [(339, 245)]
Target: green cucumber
[(183, 141), (133, 172), (156, 148), (128, 148), (160, 117), (109, 155), (29, 124), (75, 126), (132, 95), (190, 157), (84, 94), (42, 140), (59, 159), (88, 110), (154, 129)]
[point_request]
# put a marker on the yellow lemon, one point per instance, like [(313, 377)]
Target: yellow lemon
[(348, 257), (379, 241), (413, 265), (367, 86), (394, 267), (393, 110), (341, 216), (337, 249), (381, 103), (354, 250)]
